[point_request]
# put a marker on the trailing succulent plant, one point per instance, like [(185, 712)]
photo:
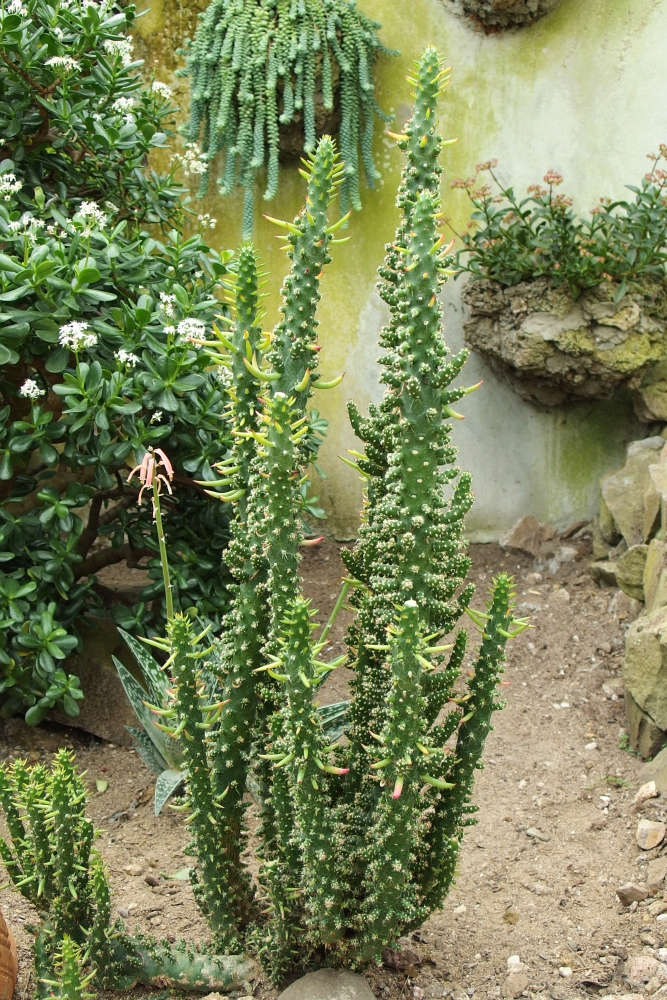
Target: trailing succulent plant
[(358, 841), (257, 66), (50, 859)]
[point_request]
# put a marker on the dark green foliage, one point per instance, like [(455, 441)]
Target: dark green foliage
[(623, 242), (98, 359), (255, 66)]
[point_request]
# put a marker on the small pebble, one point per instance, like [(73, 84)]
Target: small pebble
[(152, 880), (591, 746), (123, 912), (565, 971)]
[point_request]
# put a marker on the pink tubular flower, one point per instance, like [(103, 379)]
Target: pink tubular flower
[(149, 473)]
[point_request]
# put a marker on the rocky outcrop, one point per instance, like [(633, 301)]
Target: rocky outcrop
[(632, 533), (554, 349)]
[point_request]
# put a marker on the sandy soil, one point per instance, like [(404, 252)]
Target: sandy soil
[(554, 767)]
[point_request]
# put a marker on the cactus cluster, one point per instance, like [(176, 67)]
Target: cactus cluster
[(256, 66), (358, 841), (50, 859)]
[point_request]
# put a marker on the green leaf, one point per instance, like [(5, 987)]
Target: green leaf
[(165, 786), (147, 750), (101, 785), (88, 275), (333, 718), (15, 293), (57, 360), (7, 356), (182, 875)]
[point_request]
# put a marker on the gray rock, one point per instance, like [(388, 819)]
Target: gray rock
[(631, 893), (514, 985), (625, 491), (646, 739), (329, 984), (630, 571), (536, 834), (649, 834), (655, 575), (655, 875), (650, 400), (604, 572), (105, 709), (527, 536), (656, 770), (645, 665)]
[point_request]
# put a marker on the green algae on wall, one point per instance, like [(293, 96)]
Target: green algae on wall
[(582, 91)]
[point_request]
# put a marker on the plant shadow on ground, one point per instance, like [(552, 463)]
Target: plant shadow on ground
[(552, 901)]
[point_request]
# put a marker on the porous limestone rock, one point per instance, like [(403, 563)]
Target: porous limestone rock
[(629, 494), (630, 571), (604, 572), (650, 399), (554, 349)]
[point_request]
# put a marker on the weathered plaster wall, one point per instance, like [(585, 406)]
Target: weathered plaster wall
[(584, 92)]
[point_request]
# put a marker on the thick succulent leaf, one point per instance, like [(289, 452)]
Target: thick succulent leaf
[(147, 750), (334, 719), (155, 678), (167, 783), (137, 696)]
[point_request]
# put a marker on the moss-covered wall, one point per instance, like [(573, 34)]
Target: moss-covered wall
[(584, 92)]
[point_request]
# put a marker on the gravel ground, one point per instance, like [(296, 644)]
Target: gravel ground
[(556, 826)]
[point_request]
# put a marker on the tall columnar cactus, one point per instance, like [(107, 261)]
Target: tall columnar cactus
[(253, 555), (256, 66), (358, 841), (411, 542)]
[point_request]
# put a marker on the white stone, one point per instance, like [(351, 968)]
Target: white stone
[(565, 971), (329, 984), (647, 791)]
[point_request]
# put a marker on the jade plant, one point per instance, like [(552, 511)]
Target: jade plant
[(97, 359), (50, 859), (511, 239), (358, 841), (257, 67)]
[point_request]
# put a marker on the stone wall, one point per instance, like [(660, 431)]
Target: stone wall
[(581, 91)]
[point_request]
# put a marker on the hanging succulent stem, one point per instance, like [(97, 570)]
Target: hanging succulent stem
[(255, 67)]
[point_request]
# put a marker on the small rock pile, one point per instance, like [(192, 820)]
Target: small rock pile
[(630, 546)]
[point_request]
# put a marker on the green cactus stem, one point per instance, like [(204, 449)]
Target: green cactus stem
[(411, 538), (294, 352), (256, 66), (239, 653), (452, 809), (221, 887), (71, 982)]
